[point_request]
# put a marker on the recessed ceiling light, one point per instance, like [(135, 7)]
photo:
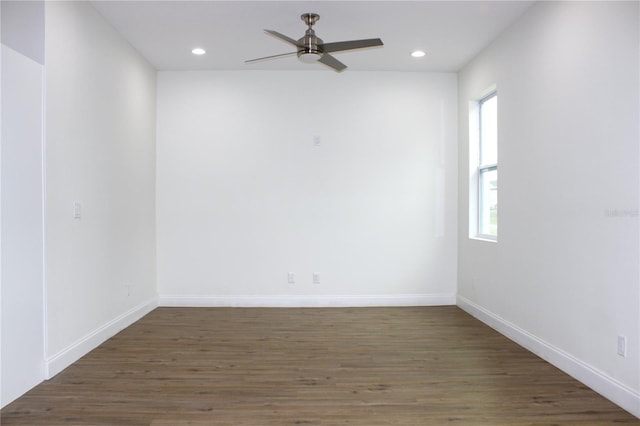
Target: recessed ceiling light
[(418, 53), (198, 51)]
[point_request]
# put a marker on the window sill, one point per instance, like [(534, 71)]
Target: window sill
[(487, 238)]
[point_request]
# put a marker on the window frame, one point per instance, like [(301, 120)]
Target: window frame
[(478, 169)]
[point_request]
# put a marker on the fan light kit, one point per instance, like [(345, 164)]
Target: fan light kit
[(418, 53), (310, 48)]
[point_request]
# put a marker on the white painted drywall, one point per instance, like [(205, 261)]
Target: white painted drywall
[(22, 263), (100, 131), (565, 268), (350, 175)]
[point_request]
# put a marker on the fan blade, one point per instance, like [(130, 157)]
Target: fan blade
[(282, 37), (350, 45), (270, 57), (332, 62)]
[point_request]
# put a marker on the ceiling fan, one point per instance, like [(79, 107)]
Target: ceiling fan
[(311, 48)]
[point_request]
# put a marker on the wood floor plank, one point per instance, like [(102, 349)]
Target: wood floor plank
[(356, 366)]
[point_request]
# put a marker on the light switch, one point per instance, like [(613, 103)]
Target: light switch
[(77, 210)]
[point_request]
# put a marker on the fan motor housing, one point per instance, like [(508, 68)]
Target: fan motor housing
[(310, 47)]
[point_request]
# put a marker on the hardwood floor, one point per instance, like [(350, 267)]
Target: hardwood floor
[(357, 366)]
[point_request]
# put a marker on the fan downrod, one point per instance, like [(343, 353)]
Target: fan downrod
[(310, 49)]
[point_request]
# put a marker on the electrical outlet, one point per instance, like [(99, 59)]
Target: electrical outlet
[(622, 346), (291, 277), (316, 278)]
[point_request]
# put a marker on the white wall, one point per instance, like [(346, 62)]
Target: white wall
[(21, 314), (22, 264), (244, 195), (563, 277), (100, 131)]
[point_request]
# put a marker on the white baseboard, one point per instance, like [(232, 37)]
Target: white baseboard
[(58, 362), (617, 392), (306, 301)]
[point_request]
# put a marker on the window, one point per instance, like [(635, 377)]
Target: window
[(484, 182)]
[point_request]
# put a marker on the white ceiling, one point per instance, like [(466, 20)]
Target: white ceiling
[(451, 32)]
